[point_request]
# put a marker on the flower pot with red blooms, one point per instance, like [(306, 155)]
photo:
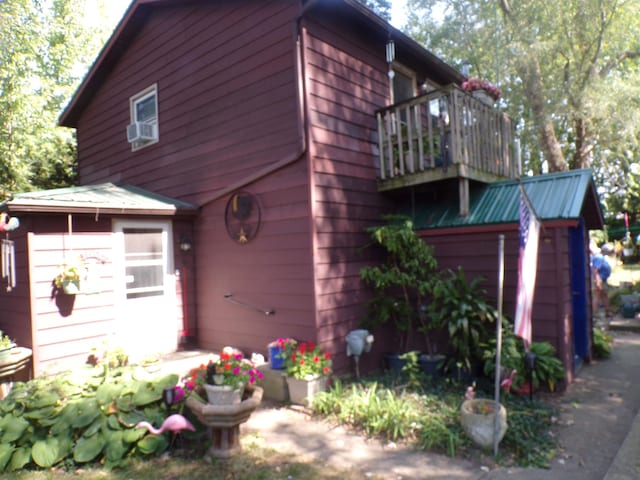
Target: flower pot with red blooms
[(307, 368), (225, 376)]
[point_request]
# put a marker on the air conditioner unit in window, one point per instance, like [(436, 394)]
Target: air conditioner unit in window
[(140, 131)]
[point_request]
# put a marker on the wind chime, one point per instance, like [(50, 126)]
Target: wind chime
[(8, 250)]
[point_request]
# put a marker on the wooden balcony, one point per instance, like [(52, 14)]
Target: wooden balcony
[(444, 134)]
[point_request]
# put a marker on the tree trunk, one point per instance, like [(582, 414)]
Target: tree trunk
[(530, 74)]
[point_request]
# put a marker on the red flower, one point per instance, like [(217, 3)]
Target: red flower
[(316, 359), (326, 370)]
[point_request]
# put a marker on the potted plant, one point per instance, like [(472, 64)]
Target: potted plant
[(69, 278), (485, 91), (307, 368), (401, 282), (6, 345), (477, 416), (277, 352), (226, 376), (461, 306)]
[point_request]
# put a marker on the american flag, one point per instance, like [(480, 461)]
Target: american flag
[(527, 268)]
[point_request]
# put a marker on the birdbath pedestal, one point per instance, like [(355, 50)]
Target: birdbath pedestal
[(224, 421)]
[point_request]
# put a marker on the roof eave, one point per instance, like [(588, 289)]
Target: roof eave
[(66, 209)]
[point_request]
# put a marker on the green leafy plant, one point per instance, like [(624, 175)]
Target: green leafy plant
[(602, 342), (86, 416), (548, 368), (402, 282), (427, 417), (461, 306)]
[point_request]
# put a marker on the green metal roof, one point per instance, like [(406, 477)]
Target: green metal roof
[(555, 196), (103, 198)]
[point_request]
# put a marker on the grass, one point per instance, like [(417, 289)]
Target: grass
[(424, 414), (255, 463)]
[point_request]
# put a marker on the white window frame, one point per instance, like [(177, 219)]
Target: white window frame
[(151, 91)]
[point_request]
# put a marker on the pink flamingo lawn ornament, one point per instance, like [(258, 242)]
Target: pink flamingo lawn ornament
[(506, 382), (173, 423)]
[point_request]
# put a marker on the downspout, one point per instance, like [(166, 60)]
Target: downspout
[(301, 124)]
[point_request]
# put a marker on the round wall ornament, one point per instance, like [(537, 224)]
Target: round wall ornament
[(242, 217)]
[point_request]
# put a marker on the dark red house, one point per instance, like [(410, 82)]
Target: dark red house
[(266, 136)]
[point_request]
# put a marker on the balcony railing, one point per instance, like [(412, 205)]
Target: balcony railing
[(447, 132)]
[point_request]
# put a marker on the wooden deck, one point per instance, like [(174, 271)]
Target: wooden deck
[(444, 134)]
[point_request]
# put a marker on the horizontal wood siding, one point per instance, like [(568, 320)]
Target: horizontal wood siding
[(271, 272), (477, 254), (67, 327), (347, 83), (226, 91), (15, 304)]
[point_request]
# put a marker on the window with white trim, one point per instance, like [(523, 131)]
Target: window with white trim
[(143, 129)]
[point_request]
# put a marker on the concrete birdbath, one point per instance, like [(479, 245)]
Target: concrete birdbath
[(224, 421)]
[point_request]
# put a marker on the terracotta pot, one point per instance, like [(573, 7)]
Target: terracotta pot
[(477, 419)]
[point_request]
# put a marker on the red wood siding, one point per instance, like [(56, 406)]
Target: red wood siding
[(347, 82), (477, 253), (15, 305), (226, 93), (272, 271)]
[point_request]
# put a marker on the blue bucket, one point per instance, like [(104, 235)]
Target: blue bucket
[(276, 361)]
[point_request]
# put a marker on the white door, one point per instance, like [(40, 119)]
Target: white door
[(145, 288)]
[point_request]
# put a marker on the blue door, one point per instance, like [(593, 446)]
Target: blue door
[(580, 281)]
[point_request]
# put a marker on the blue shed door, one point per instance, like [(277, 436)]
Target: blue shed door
[(580, 281)]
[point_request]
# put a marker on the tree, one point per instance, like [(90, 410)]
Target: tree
[(570, 74), (569, 70), (45, 45), (381, 7)]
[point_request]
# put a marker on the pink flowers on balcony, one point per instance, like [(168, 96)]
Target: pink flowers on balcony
[(475, 83)]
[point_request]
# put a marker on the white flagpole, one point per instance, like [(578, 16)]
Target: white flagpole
[(496, 408)]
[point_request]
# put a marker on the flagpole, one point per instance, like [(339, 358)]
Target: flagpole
[(496, 408)]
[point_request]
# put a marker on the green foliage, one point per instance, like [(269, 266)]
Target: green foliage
[(427, 416), (44, 49), (402, 281), (548, 368), (602, 342), (381, 7), (570, 67), (460, 305), (83, 417)]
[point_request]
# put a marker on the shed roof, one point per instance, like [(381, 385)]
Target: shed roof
[(107, 198), (555, 196)]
